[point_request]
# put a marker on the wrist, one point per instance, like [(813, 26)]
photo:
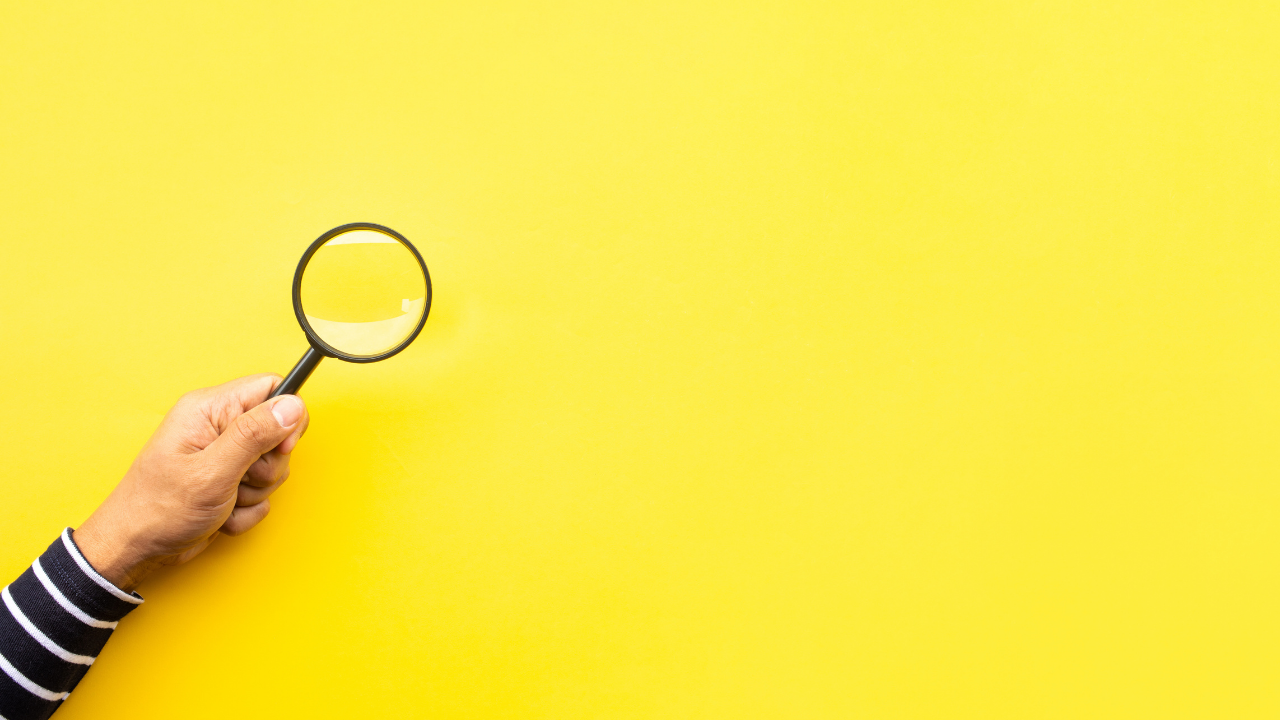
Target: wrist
[(112, 551)]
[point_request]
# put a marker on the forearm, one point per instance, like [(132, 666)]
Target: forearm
[(56, 618), (208, 471)]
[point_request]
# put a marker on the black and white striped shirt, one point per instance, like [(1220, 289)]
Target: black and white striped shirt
[(56, 617)]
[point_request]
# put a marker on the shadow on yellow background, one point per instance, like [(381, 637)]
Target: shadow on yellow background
[(786, 360)]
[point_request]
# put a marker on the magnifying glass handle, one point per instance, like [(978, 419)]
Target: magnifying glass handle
[(299, 374)]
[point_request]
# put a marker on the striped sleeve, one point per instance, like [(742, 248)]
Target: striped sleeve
[(56, 617)]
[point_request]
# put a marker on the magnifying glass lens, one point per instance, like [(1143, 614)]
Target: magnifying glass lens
[(363, 293)]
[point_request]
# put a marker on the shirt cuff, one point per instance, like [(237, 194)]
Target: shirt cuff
[(77, 579)]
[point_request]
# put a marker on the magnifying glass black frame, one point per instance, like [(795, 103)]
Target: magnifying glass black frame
[(319, 348)]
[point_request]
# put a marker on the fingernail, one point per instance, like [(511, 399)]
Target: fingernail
[(288, 410)]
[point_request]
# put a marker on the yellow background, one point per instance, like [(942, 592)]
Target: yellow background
[(787, 360)]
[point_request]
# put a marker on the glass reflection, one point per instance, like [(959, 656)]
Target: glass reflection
[(363, 293)]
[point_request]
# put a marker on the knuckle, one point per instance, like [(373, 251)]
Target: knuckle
[(246, 518), (252, 431), (245, 496), (193, 397), (185, 403), (260, 472)]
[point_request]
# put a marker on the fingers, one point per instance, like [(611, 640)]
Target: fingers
[(215, 408), (254, 433), (243, 519), (249, 391), (247, 495), (266, 470), (258, 485), (264, 477)]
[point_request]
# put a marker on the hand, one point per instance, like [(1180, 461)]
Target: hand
[(209, 469)]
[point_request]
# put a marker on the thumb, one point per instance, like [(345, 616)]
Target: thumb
[(255, 433)]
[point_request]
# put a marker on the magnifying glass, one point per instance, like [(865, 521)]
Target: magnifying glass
[(361, 293)]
